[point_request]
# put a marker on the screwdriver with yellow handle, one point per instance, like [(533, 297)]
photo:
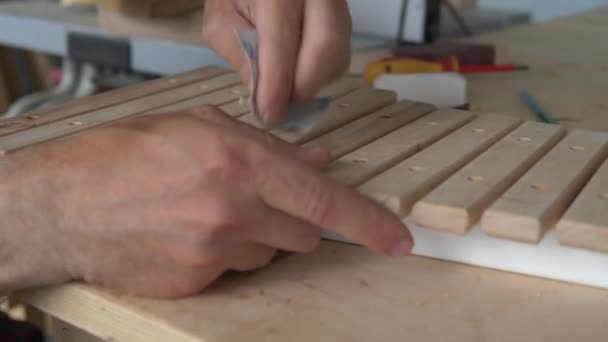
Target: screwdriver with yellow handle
[(402, 65)]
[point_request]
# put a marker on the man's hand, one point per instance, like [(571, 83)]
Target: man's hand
[(161, 206), (304, 44)]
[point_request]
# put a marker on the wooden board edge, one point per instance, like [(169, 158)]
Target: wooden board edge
[(67, 302)]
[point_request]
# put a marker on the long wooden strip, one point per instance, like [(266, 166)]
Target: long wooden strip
[(402, 185), (95, 118), (370, 127), (457, 204), (341, 111), (236, 108), (216, 98), (585, 223), (333, 91), (109, 98), (539, 198), (342, 87), (362, 164)]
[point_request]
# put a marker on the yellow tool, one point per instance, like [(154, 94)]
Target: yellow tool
[(400, 65)]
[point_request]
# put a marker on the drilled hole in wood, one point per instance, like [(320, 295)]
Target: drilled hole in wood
[(387, 116), (359, 161), (416, 168), (476, 179), (577, 148), (479, 130), (343, 105), (433, 123), (540, 187), (525, 139), (604, 196), (75, 123)]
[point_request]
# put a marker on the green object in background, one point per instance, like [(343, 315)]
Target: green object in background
[(535, 107)]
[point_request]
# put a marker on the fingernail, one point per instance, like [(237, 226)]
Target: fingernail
[(402, 248)]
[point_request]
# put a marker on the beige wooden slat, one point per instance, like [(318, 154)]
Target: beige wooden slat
[(585, 223), (118, 321), (342, 87), (235, 101), (457, 204), (402, 185), (65, 332), (236, 108), (370, 127), (538, 199), (109, 98), (102, 116), (333, 91), (341, 111), (216, 98), (362, 164), (251, 119)]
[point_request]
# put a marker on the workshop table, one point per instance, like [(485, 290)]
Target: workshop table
[(345, 293)]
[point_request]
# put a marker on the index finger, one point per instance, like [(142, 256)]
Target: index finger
[(308, 195)]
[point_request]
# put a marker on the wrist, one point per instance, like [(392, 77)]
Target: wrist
[(29, 253)]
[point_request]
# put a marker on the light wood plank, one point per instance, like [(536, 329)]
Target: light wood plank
[(457, 204), (539, 198), (79, 306), (236, 108), (341, 111), (333, 91), (585, 223), (370, 127), (402, 185), (216, 98), (362, 164), (102, 116), (111, 98), (342, 87), (251, 119), (326, 295), (63, 332)]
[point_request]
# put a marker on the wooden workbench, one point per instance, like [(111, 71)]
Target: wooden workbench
[(568, 75), (345, 293), (569, 72)]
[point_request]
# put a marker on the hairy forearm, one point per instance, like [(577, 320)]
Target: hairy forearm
[(28, 252)]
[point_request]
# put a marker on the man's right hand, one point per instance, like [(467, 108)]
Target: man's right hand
[(161, 206)]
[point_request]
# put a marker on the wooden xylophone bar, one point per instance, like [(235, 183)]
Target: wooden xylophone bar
[(486, 190)]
